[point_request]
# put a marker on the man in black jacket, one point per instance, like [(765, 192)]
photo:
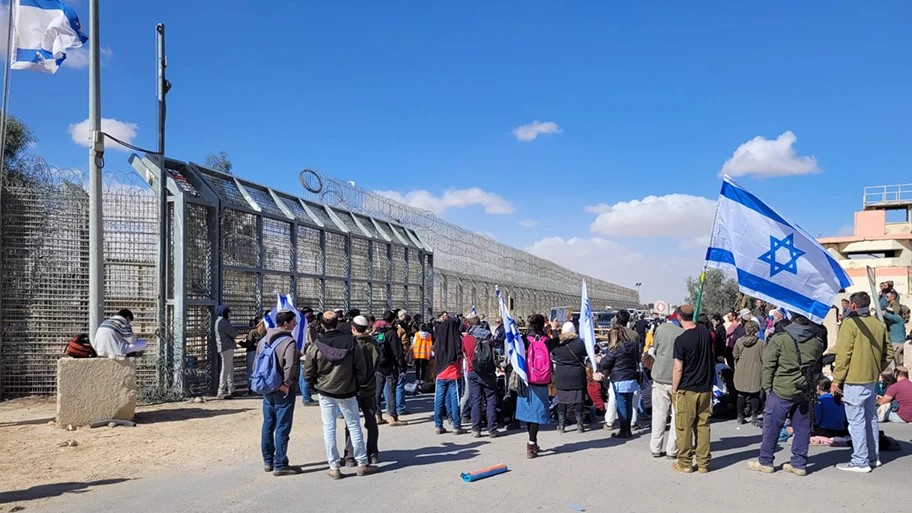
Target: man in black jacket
[(367, 400), (334, 366), (389, 367)]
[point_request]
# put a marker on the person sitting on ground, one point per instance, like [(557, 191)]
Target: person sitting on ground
[(901, 394), (829, 413), (115, 338)]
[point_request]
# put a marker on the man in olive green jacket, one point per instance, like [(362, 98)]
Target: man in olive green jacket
[(785, 379), (863, 351)]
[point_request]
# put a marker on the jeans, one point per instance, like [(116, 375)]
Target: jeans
[(692, 411), (662, 406), (861, 412), (400, 394), (349, 408), (226, 376), (445, 397), (611, 410), (306, 395), (624, 409), (278, 414), (368, 407), (251, 360), (774, 416), (482, 393), (386, 390)]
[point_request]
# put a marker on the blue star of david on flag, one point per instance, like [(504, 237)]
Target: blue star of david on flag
[(787, 243)]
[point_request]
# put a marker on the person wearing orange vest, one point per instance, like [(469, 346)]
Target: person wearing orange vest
[(421, 351)]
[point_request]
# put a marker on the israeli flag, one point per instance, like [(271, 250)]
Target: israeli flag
[(42, 32), (516, 349), (270, 318), (587, 327), (774, 259), (300, 329)]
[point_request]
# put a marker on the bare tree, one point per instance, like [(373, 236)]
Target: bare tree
[(219, 162)]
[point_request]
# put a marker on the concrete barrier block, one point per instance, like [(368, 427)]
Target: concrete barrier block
[(91, 389)]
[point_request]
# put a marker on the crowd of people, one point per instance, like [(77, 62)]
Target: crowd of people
[(763, 365)]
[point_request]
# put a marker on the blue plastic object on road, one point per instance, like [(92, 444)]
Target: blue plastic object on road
[(469, 477)]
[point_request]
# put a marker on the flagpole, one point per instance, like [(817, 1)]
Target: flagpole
[(706, 260), (4, 112), (96, 162)]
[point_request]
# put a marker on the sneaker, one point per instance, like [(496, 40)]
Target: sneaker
[(374, 459), (703, 470), (404, 412), (267, 467), (460, 431), (397, 422), (441, 431), (677, 467), (672, 457), (800, 472), (609, 427), (476, 434), (658, 455), (380, 420), (309, 403), (875, 464), (350, 463), (850, 467), (334, 473), (289, 471), (493, 433), (756, 466), (366, 470)]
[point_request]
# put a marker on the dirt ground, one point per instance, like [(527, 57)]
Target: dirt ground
[(182, 437)]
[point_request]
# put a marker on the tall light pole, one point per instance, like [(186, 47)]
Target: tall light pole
[(96, 161)]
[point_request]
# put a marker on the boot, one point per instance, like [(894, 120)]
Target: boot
[(530, 451), (380, 420), (741, 420), (580, 424), (561, 422), (756, 421)]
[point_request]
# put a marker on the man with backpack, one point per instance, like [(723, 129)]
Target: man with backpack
[(334, 366), (791, 360), (390, 366), (275, 375), (478, 346), (863, 351)]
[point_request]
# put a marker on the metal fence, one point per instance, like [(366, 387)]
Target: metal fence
[(232, 241)]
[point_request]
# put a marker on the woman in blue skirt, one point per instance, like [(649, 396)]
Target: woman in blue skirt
[(532, 400)]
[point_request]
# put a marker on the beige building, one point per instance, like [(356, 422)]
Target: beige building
[(881, 239)]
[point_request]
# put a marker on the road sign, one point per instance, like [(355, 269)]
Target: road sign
[(661, 307)]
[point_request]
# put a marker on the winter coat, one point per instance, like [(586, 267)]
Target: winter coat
[(622, 363), (286, 355), (863, 350), (896, 325), (335, 366), (569, 363), (781, 373), (224, 331), (748, 354), (370, 350), (393, 361)]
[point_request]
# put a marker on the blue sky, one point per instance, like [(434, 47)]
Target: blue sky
[(646, 99)]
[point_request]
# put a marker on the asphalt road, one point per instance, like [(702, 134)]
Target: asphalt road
[(420, 474)]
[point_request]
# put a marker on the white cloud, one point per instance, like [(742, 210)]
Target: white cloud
[(452, 198), (696, 242), (528, 223), (125, 131), (767, 158), (78, 58), (662, 276), (673, 215), (526, 133)]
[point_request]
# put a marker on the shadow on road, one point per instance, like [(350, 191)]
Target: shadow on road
[(31, 422), (448, 451), (176, 415), (53, 490)]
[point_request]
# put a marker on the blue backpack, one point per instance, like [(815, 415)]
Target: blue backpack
[(267, 377)]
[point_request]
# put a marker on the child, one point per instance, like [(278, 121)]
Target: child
[(829, 413)]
